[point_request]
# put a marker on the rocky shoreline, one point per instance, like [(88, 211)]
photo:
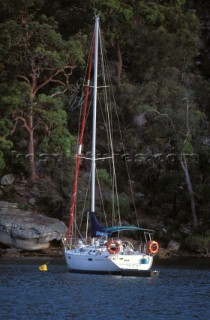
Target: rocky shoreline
[(28, 230), (31, 233)]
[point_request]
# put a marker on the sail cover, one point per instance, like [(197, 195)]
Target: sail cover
[(96, 228), (99, 230)]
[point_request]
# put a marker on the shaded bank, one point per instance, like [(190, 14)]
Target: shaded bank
[(187, 262)]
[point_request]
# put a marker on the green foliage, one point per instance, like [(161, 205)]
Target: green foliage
[(187, 148), (2, 162), (117, 16), (123, 204), (5, 140), (48, 116), (60, 141), (42, 43), (5, 144), (103, 176), (151, 11), (16, 97), (165, 36), (50, 197), (5, 130), (200, 242), (37, 64)]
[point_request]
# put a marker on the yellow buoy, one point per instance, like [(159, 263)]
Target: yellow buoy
[(43, 267)]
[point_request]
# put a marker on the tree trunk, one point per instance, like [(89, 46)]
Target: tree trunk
[(31, 156), (119, 65), (190, 190), (174, 201)]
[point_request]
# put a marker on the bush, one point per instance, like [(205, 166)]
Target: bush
[(2, 162), (103, 176), (200, 242)]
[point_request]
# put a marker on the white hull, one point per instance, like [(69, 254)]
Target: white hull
[(95, 260)]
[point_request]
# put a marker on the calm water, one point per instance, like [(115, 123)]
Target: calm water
[(178, 293)]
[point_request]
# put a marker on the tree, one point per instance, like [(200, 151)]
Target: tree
[(176, 137), (163, 36), (162, 102), (116, 18), (38, 64)]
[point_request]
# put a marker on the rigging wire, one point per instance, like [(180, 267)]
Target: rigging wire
[(121, 138), (110, 132), (85, 200), (102, 201), (73, 200), (126, 163)]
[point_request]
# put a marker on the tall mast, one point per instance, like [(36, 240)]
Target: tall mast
[(93, 154), (79, 154)]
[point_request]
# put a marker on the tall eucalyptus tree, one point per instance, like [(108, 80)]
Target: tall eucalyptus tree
[(37, 64)]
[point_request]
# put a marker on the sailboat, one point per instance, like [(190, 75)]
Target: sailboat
[(104, 251)]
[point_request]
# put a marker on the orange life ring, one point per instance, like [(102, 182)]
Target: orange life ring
[(153, 247), (113, 247)]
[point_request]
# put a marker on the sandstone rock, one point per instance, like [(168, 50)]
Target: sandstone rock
[(138, 195), (173, 245), (164, 230), (32, 201), (141, 119), (186, 229), (27, 230), (12, 253), (7, 180), (21, 191), (164, 253)]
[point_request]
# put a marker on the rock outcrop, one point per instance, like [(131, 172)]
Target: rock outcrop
[(173, 245), (27, 230), (7, 179)]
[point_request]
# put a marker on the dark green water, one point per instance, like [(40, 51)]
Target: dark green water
[(180, 292)]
